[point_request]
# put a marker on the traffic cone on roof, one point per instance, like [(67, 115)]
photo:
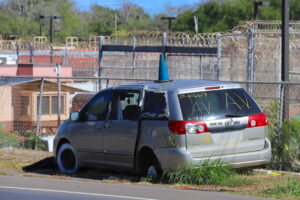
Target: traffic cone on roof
[(163, 74)]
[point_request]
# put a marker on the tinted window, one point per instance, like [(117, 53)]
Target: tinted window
[(217, 104), (125, 106), (97, 108), (155, 103)]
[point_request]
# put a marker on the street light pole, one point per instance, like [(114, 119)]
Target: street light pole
[(51, 24), (169, 22), (256, 4)]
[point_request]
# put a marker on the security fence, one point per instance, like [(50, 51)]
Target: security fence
[(250, 52), (63, 74), (39, 104)]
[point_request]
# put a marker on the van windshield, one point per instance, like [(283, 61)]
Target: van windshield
[(217, 104)]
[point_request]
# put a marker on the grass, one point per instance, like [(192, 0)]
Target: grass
[(208, 173), (13, 160), (289, 190), (3, 173)]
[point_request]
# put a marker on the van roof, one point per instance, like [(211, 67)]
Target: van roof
[(181, 84)]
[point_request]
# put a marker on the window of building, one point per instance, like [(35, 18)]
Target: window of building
[(54, 105), (50, 105), (24, 105)]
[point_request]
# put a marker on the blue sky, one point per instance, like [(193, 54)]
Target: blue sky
[(150, 6)]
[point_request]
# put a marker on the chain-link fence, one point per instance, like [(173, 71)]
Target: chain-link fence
[(39, 105), (251, 52)]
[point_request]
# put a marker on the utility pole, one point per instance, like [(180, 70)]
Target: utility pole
[(51, 17), (169, 22), (285, 56)]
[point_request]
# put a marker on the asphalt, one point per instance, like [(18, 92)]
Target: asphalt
[(29, 188)]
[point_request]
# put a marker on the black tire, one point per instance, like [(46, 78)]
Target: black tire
[(67, 160)]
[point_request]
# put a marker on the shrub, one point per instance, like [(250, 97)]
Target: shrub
[(285, 140), (35, 142), (10, 140), (208, 173)]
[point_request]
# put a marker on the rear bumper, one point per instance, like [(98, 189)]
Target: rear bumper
[(172, 158)]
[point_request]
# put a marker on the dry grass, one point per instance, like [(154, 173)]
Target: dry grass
[(13, 160)]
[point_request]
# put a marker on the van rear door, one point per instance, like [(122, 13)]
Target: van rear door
[(222, 121)]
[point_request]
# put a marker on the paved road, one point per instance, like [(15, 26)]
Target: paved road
[(28, 188)]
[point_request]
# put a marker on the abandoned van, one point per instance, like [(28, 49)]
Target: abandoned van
[(155, 126)]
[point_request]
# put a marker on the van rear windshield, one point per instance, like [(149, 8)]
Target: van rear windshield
[(217, 104)]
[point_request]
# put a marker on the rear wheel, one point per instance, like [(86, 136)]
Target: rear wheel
[(66, 159), (148, 164), (153, 171)]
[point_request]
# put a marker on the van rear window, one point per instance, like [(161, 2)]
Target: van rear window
[(217, 104)]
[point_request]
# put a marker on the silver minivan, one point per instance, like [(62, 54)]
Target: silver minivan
[(150, 127)]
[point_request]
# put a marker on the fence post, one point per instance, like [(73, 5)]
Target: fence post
[(219, 47), (58, 71), (18, 52), (164, 42), (40, 108), (65, 57), (250, 66), (107, 82), (279, 67), (281, 108), (133, 57), (201, 67), (51, 54), (99, 60), (31, 53)]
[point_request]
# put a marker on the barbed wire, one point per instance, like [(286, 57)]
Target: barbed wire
[(261, 29)]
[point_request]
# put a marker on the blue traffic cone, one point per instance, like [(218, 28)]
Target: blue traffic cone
[(163, 69)]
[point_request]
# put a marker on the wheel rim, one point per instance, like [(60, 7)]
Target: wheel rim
[(152, 171)]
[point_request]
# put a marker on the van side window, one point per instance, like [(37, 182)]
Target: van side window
[(125, 106), (97, 108), (155, 103)]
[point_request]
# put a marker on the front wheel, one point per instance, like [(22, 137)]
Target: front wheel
[(66, 159)]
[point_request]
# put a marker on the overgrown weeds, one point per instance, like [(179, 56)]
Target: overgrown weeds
[(207, 173), (285, 140), (35, 142), (291, 189)]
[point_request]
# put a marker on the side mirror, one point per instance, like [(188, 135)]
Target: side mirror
[(74, 116)]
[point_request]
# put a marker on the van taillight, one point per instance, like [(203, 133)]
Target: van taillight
[(257, 120), (183, 127)]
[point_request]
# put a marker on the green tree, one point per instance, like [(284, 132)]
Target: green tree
[(102, 20), (132, 17)]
